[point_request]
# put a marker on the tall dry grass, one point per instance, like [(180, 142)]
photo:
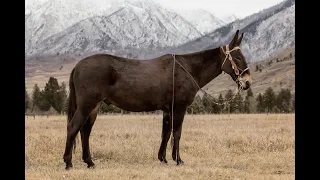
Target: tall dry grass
[(125, 147)]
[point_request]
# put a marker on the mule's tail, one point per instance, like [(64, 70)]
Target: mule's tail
[(72, 106)]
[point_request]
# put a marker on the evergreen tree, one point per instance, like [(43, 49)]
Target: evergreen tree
[(51, 95), (269, 100), (36, 98), (238, 104), (61, 98), (65, 107), (220, 100), (293, 107), (246, 105), (216, 108), (230, 104), (249, 102), (207, 104), (283, 101), (26, 100), (44, 103), (249, 93), (196, 107), (260, 103)]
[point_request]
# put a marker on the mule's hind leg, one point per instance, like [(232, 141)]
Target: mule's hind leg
[(79, 119), (85, 134), (178, 117), (166, 130)]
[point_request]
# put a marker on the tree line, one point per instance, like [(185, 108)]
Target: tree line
[(54, 96)]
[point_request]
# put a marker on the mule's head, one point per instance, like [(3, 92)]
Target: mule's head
[(234, 63)]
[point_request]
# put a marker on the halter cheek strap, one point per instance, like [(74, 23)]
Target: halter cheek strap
[(227, 53)]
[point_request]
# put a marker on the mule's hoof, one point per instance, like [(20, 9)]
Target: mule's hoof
[(174, 157), (91, 165), (162, 159), (69, 166), (180, 162)]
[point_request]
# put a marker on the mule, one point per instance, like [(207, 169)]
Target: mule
[(146, 85)]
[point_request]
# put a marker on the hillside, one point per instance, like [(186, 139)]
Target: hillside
[(277, 75), (133, 29), (276, 72), (57, 33), (266, 33), (57, 37)]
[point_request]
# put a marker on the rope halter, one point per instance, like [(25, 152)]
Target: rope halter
[(235, 68)]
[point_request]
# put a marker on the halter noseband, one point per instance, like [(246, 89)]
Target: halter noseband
[(227, 53)]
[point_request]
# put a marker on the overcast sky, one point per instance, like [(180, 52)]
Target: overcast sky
[(221, 8)]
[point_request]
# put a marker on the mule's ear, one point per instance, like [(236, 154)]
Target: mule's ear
[(239, 40), (234, 40)]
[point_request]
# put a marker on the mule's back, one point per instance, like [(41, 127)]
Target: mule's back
[(133, 85)]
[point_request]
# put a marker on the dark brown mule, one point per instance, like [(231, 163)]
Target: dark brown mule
[(145, 85)]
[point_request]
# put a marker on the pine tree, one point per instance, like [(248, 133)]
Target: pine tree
[(269, 100), (51, 95), (26, 100), (196, 107), (230, 104), (216, 108), (44, 103), (207, 104), (283, 101), (61, 98), (246, 105), (249, 93), (249, 102), (260, 103), (65, 107), (36, 98), (220, 100), (238, 103), (293, 106)]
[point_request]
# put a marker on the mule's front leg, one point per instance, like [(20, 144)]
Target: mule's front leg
[(166, 130), (178, 117)]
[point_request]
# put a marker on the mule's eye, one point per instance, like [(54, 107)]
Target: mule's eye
[(238, 58)]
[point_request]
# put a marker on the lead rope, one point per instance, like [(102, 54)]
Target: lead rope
[(174, 65), (203, 91), (195, 82)]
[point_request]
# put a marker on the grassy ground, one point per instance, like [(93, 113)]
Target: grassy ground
[(125, 147)]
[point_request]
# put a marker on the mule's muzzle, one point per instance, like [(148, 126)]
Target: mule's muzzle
[(244, 85), (247, 85), (244, 82)]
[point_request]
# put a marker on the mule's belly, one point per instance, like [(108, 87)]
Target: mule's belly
[(139, 97), (136, 104)]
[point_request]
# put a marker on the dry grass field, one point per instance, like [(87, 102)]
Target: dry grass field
[(125, 147)]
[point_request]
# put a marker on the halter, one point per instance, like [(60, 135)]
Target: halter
[(227, 53)]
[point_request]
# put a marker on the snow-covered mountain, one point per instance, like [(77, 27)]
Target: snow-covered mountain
[(229, 18), (266, 33), (126, 28), (143, 29), (202, 20)]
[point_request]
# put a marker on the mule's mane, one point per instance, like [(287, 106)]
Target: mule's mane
[(210, 51), (214, 50)]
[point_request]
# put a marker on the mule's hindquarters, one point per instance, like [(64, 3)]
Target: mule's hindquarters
[(81, 117), (70, 113)]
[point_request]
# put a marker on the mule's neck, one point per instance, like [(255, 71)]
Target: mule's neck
[(211, 66)]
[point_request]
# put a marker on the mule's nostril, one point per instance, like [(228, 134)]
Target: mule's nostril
[(248, 83)]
